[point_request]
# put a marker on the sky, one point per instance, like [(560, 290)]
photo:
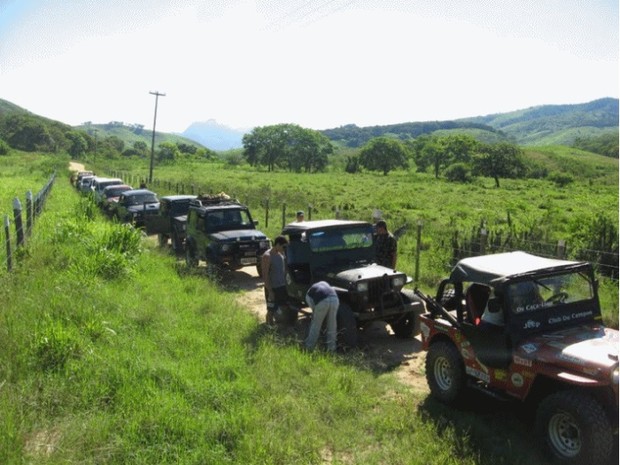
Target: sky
[(316, 63)]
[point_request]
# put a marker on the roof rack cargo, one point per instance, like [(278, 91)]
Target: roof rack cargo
[(204, 200)]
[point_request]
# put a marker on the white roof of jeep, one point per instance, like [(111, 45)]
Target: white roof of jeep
[(487, 268)]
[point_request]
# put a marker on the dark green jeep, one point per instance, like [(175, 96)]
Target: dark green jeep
[(221, 232), (343, 254)]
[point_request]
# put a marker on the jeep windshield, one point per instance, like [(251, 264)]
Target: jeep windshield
[(551, 301), (228, 220), (140, 199), (331, 240)]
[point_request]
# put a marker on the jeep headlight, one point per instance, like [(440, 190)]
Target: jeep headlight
[(135, 214), (362, 286), (264, 244), (226, 247), (399, 281)]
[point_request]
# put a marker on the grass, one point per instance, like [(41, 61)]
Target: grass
[(150, 364)]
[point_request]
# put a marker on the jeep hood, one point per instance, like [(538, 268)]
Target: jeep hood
[(364, 272), (587, 349), (239, 235)]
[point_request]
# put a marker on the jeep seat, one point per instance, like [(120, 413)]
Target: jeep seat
[(476, 298)]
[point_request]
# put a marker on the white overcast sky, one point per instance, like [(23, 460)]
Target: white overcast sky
[(317, 63)]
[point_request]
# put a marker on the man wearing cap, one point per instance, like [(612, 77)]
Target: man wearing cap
[(300, 216), (385, 246)]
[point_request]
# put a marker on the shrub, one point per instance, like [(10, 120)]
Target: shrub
[(561, 179), (4, 148), (458, 172)]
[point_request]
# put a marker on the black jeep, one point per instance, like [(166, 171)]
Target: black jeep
[(221, 232), (171, 221), (343, 254)]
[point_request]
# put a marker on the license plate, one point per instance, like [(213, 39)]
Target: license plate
[(248, 261)]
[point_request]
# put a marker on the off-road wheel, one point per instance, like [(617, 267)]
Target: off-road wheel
[(177, 243), (347, 327), (572, 428), (191, 259), (404, 325), (407, 325), (445, 372)]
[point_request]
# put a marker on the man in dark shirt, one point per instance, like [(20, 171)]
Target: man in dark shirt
[(385, 246)]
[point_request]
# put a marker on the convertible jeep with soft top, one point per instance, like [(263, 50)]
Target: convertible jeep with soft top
[(221, 232), (519, 326), (342, 253)]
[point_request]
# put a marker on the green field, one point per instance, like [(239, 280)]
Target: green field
[(112, 353)]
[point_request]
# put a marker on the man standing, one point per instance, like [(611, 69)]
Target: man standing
[(323, 301), (273, 267), (385, 246), (299, 216)]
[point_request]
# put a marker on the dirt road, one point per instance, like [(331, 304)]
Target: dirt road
[(382, 350)]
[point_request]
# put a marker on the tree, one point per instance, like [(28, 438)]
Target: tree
[(287, 145), (384, 154), (167, 152), (78, 145), (502, 160)]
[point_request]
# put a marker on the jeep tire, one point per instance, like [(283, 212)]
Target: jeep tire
[(445, 372), (573, 429), (191, 259), (347, 327)]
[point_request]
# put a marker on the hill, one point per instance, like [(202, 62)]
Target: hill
[(555, 124), (130, 133), (536, 126)]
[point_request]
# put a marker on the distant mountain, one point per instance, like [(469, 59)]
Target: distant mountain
[(215, 136)]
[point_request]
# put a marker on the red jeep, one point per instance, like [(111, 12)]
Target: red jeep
[(520, 326)]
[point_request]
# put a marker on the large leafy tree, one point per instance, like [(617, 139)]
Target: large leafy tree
[(77, 144), (287, 145), (384, 154), (502, 160)]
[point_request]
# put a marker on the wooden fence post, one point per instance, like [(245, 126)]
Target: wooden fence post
[(283, 214), (19, 227), (7, 234), (418, 246), (483, 241), (266, 213), (561, 248), (309, 212), (29, 213)]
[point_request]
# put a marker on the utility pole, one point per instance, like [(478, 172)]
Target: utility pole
[(157, 95)]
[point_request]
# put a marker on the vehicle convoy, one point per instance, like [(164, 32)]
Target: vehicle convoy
[(134, 205), (523, 327), (221, 232), (342, 252), (99, 184), (170, 221)]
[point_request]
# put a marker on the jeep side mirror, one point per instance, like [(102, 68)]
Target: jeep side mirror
[(494, 305)]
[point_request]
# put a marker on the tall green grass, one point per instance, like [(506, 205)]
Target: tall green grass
[(145, 363)]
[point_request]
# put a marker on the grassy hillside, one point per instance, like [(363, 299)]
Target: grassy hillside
[(130, 134)]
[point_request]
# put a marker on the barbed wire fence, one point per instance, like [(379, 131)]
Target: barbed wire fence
[(24, 217), (452, 245)]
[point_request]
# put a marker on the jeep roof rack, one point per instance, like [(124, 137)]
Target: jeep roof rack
[(205, 200)]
